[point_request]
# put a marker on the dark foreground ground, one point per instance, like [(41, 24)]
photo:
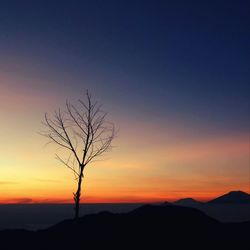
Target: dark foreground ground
[(40, 216), (147, 227)]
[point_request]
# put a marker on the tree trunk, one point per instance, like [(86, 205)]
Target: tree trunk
[(77, 195)]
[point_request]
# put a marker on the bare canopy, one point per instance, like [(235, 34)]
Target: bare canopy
[(83, 131)]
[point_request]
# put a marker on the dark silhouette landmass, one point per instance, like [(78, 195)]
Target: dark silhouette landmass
[(230, 207), (147, 227), (187, 202), (233, 197)]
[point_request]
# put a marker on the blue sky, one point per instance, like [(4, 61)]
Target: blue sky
[(184, 59)]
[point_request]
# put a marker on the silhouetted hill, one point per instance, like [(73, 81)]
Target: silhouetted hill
[(187, 202), (147, 227), (234, 197), (231, 207)]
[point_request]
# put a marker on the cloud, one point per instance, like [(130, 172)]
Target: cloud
[(48, 180), (23, 200), (7, 182)]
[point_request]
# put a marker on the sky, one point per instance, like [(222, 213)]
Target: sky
[(173, 76)]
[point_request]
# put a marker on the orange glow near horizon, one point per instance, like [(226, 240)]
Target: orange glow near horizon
[(139, 178), (178, 165)]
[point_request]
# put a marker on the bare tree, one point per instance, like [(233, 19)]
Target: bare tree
[(83, 131)]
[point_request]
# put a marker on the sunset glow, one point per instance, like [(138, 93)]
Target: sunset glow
[(178, 165), (181, 109)]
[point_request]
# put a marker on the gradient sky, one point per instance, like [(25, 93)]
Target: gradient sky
[(173, 75)]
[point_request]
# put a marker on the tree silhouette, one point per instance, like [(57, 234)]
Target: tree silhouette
[(83, 132)]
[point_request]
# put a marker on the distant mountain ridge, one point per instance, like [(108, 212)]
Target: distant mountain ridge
[(147, 227), (233, 197), (233, 206), (187, 202)]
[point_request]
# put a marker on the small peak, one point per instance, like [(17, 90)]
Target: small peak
[(187, 201), (237, 192), (233, 197)]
